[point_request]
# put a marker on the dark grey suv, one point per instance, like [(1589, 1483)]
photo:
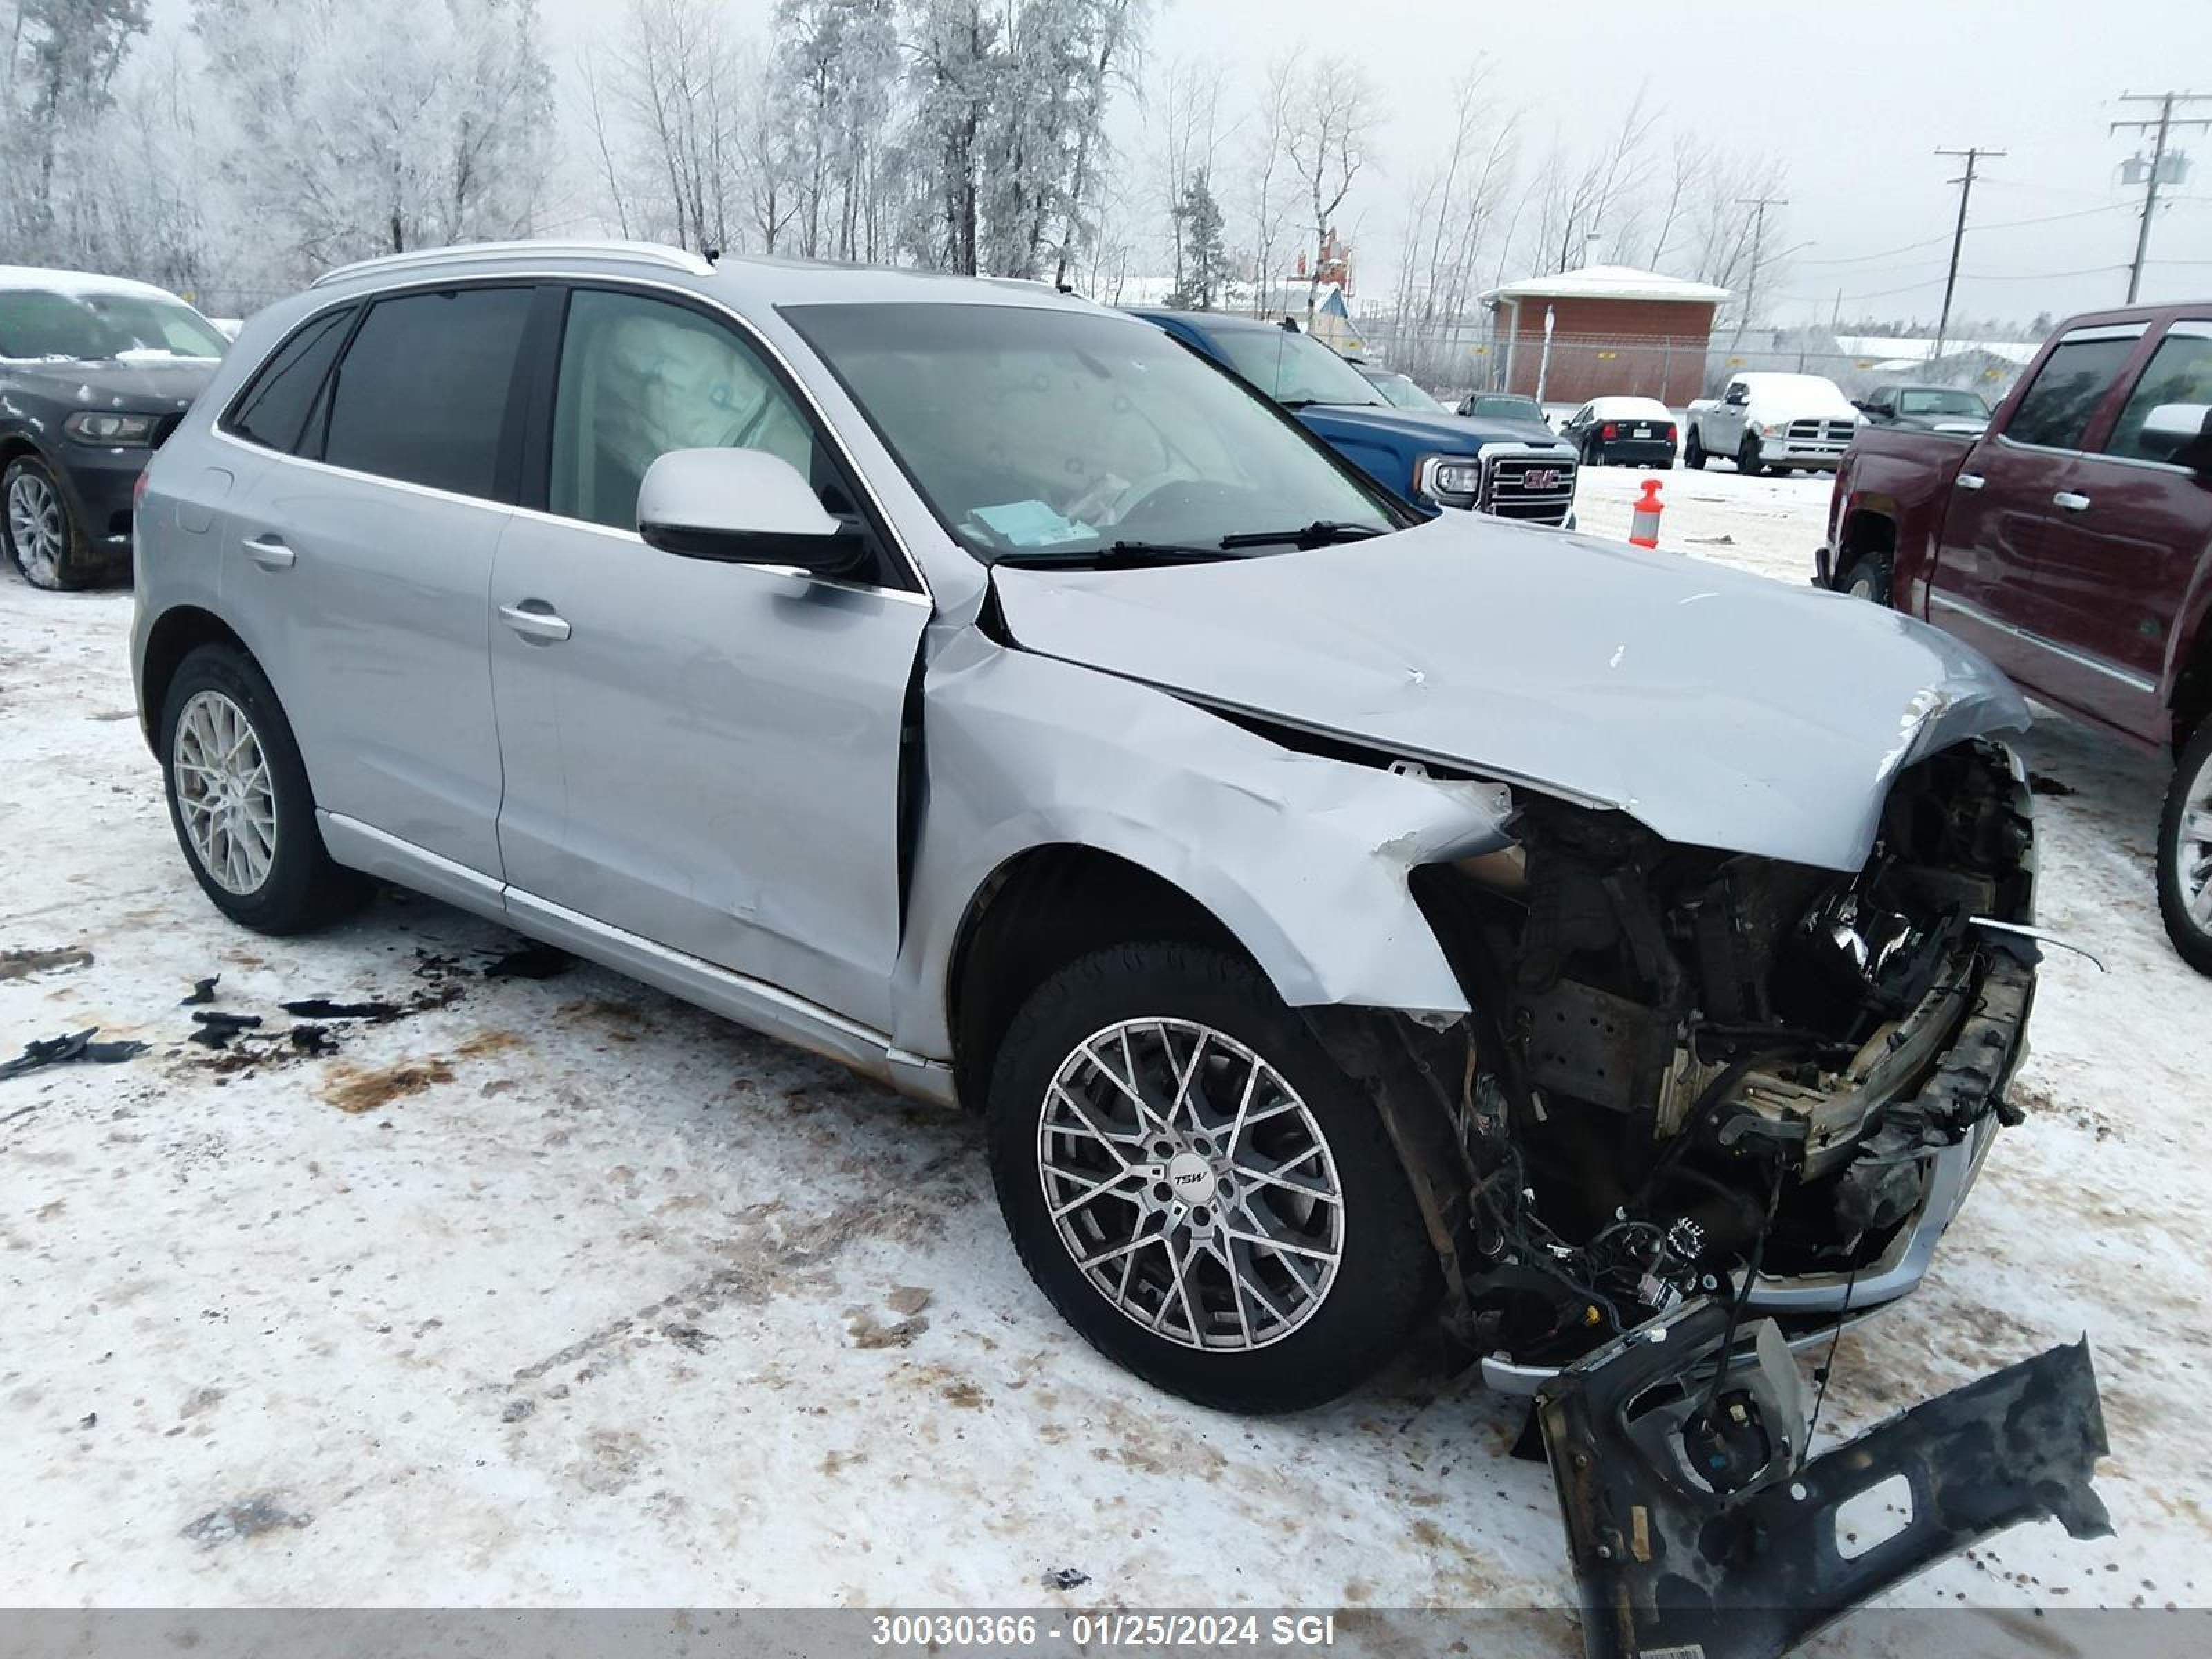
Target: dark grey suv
[(94, 372)]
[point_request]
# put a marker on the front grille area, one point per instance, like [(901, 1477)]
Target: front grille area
[(164, 427), (1538, 487), (1832, 432)]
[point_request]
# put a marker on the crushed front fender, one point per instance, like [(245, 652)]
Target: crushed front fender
[(1696, 1529)]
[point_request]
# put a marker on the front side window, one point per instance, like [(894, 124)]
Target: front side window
[(640, 377), (2055, 411), (2179, 371), (1036, 432), (422, 393), (1295, 369), (92, 325), (273, 411)]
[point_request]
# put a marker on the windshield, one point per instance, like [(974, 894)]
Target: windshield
[(1941, 403), (1295, 368), (1502, 408), (87, 326), (1402, 393), (1045, 433)]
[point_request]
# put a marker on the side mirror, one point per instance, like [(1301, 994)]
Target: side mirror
[(742, 506), (1736, 395), (2179, 433)]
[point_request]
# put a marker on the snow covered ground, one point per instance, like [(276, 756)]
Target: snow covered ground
[(558, 1291)]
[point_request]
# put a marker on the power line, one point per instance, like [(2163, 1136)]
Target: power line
[(1973, 154), (2163, 125), (2000, 224)]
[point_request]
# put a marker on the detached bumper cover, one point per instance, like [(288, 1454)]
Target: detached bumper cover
[(1743, 1558)]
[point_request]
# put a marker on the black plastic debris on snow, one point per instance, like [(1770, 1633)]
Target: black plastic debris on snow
[(202, 992), (324, 1008), (1066, 1578), (530, 961), (78, 1045), (2042, 783), (216, 1029), (312, 1040), (21, 964)]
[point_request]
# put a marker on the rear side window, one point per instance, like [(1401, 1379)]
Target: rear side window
[(275, 407), (2179, 371), (421, 392), (2056, 410)]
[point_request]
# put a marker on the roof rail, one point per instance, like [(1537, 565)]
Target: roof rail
[(658, 253)]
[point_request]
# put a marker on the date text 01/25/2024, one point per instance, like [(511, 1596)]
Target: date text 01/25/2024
[(1015, 1631)]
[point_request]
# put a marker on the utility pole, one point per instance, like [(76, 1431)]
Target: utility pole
[(2163, 126), (1758, 204), (1974, 155)]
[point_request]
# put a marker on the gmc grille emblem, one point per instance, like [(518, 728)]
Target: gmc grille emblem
[(1540, 478)]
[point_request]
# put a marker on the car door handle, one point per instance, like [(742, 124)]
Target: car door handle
[(269, 552), (1972, 481), (2070, 501), (534, 619)]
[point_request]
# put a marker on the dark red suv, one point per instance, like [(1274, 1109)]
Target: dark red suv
[(2072, 543)]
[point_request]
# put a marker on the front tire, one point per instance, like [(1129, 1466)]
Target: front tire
[(40, 530), (1197, 1187), (240, 801), (1746, 458), (2184, 853)]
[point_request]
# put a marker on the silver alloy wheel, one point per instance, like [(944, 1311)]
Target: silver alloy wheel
[(224, 792), (2192, 859), (1191, 1184), (35, 528)]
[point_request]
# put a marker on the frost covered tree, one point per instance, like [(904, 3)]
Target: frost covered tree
[(57, 87), (839, 62), (351, 135), (1327, 141), (1204, 272)]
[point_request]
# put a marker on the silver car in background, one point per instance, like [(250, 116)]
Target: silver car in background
[(1338, 917)]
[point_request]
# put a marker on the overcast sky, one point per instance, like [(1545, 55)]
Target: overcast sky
[(1850, 95)]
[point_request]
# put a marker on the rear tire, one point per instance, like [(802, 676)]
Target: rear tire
[(1869, 578), (1200, 1304), (1693, 452), (240, 801), (2184, 853)]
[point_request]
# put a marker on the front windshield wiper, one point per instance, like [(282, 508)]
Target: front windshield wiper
[(1127, 553), (1321, 533)]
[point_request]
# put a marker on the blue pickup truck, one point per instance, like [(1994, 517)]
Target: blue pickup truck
[(1513, 469)]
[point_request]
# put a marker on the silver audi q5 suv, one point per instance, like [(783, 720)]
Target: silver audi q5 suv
[(1340, 918)]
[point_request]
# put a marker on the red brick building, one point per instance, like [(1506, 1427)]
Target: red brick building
[(1615, 331)]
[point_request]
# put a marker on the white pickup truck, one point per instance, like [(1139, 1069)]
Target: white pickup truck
[(1778, 421)]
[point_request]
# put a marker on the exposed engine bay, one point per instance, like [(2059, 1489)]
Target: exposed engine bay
[(1696, 1068), (1695, 1077)]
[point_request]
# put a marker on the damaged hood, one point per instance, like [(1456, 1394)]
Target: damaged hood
[(1719, 709)]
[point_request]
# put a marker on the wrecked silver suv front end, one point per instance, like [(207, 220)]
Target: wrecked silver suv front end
[(1710, 1106), (1742, 938)]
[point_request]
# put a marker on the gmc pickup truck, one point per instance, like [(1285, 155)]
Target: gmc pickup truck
[(2072, 543), (1507, 467)]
